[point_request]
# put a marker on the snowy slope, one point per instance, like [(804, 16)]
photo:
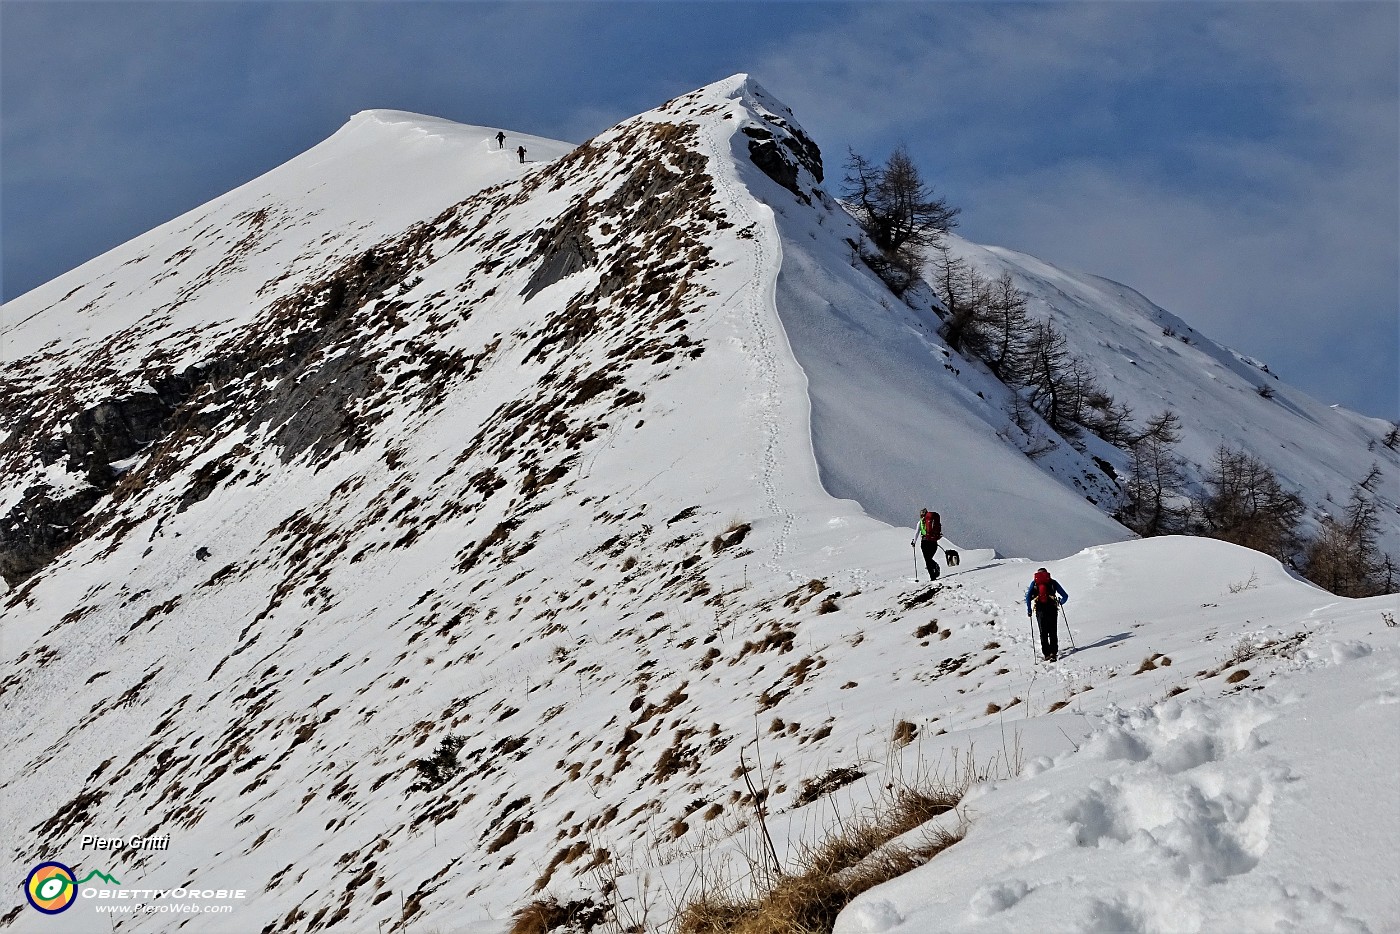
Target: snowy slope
[(431, 455), (216, 265), (528, 457), (866, 356), (898, 421), (1151, 360), (1198, 795)]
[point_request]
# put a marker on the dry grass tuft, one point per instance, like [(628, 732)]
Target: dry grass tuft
[(549, 914), (904, 733), (859, 852), (858, 857), (1238, 676), (1149, 664), (730, 536), (834, 779)]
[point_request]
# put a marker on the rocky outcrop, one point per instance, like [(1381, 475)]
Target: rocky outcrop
[(306, 387), (47, 520), (781, 150), (114, 430), (561, 252), (39, 527)]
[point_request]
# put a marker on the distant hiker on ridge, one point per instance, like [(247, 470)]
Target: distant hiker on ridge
[(500, 140), (521, 153), (1047, 595), (930, 531)]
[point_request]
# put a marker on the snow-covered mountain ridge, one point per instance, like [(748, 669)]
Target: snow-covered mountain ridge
[(522, 454)]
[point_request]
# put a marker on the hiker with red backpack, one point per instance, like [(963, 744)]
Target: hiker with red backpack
[(1047, 595), (930, 531)]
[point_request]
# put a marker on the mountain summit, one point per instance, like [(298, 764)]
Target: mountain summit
[(415, 531)]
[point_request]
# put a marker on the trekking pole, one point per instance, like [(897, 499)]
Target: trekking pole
[(1065, 616), (1034, 654)]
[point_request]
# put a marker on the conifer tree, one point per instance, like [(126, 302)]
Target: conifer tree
[(1154, 497), (900, 214), (1048, 362), (1246, 504), (1344, 558), (1007, 330)]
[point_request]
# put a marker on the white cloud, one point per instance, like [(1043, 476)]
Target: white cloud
[(1247, 179)]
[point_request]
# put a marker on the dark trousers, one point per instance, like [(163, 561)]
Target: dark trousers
[(1047, 616), (929, 546)]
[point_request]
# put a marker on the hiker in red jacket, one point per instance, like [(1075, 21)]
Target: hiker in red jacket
[(1046, 594), (930, 531)]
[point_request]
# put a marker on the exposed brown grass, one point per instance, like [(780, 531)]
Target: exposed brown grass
[(860, 851), (834, 779), (733, 535), (550, 914), (904, 733), (857, 857), (1238, 676)]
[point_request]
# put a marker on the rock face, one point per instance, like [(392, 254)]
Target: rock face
[(781, 151), (40, 526), (780, 148), (310, 387), (112, 431), (47, 519), (767, 156)]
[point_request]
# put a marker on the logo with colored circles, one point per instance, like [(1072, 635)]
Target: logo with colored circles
[(51, 887)]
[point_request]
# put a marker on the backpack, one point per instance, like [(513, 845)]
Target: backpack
[(1044, 588), (932, 526)]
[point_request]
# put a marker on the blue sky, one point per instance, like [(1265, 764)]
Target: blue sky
[(1235, 162)]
